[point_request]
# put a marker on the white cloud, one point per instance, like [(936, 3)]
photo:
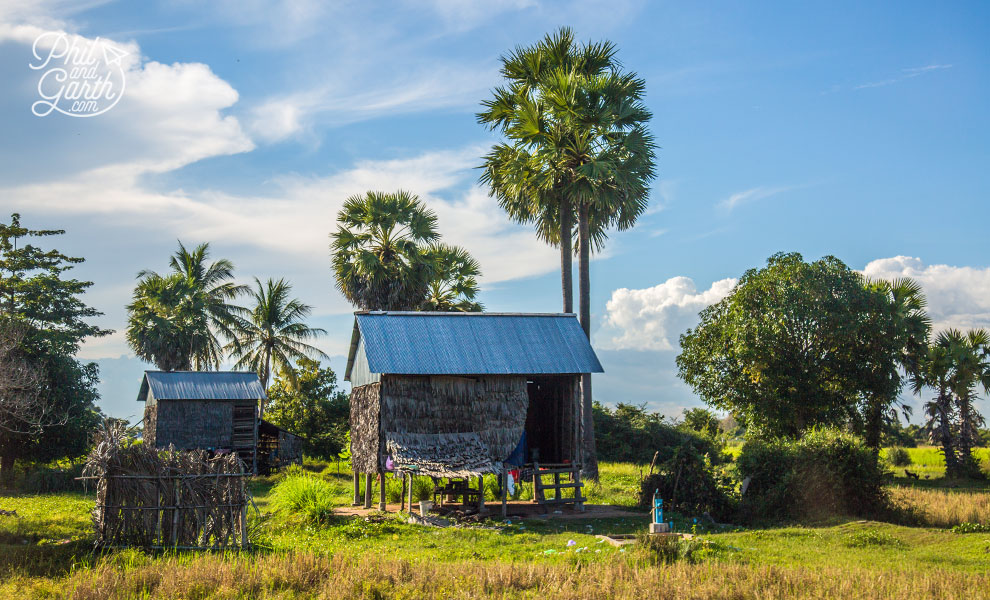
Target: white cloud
[(905, 74), (957, 296), (654, 318), (750, 195)]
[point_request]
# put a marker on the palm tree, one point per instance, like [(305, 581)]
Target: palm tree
[(208, 288), (273, 335), (935, 370), (970, 356), (579, 145), (378, 259), (454, 283), (167, 325), (901, 327)]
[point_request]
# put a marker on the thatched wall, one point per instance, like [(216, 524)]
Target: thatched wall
[(150, 421), (492, 406), (366, 439), (193, 424), (289, 448)]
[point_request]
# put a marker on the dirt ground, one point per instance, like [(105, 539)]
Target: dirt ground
[(525, 510)]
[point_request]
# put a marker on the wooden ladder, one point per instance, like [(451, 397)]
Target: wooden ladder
[(573, 481)]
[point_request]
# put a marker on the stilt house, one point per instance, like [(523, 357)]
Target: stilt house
[(217, 411), (451, 394)]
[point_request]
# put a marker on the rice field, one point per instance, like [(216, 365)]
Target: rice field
[(928, 463)]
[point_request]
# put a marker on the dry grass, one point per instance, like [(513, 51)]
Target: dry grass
[(944, 508), (307, 575)]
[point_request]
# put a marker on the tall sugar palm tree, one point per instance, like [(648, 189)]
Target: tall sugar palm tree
[(970, 356), (378, 258), (210, 289), (935, 372), (578, 147), (901, 326), (454, 283), (274, 334)]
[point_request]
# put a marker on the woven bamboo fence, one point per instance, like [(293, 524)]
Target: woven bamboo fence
[(165, 499)]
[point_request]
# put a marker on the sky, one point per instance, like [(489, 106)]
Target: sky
[(856, 129)]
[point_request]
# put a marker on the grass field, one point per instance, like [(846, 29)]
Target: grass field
[(46, 552)]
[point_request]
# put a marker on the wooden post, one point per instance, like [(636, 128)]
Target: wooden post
[(410, 493), (556, 483), (357, 489), (381, 492), (402, 496), (368, 484), (577, 490), (481, 492), (505, 490)]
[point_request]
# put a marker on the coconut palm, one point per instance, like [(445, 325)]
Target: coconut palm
[(578, 145), (378, 259), (274, 334), (453, 285), (208, 288), (901, 326)]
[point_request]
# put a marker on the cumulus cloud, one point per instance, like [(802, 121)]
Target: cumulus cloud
[(957, 296), (653, 318)]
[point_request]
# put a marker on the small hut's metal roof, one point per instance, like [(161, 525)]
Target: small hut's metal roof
[(201, 385), (434, 343)]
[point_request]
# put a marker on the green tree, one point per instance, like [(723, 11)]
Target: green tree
[(703, 421), (579, 146), (311, 406), (784, 350), (39, 299), (274, 334), (454, 284), (897, 339), (177, 320), (378, 250)]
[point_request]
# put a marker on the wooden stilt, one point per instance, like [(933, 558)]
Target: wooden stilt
[(410, 493), (402, 496), (505, 491), (357, 489), (481, 493), (368, 483), (381, 492)]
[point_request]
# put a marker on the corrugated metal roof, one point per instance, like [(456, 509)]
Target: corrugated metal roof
[(425, 343), (201, 385)]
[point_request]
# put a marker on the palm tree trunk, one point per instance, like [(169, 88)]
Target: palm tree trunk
[(874, 424), (967, 434), (945, 434), (566, 253), (584, 286)]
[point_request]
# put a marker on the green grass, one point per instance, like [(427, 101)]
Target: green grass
[(48, 545)]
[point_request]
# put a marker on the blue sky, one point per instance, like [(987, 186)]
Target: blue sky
[(848, 128)]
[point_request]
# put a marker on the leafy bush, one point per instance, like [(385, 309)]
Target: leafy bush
[(872, 537), (971, 528), (826, 472), (668, 549), (898, 457), (309, 496), (688, 482), (629, 433), (49, 480)]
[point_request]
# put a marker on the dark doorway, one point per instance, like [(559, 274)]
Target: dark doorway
[(549, 421)]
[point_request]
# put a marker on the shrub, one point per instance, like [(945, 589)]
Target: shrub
[(971, 528), (49, 480), (898, 457), (872, 537), (826, 472), (309, 496), (688, 482), (668, 549)]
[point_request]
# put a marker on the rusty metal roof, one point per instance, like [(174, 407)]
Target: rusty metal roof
[(432, 343), (201, 385)]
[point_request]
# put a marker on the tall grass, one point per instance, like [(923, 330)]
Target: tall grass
[(305, 495), (307, 575), (944, 508)]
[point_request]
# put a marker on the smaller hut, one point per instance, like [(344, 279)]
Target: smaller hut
[(215, 411)]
